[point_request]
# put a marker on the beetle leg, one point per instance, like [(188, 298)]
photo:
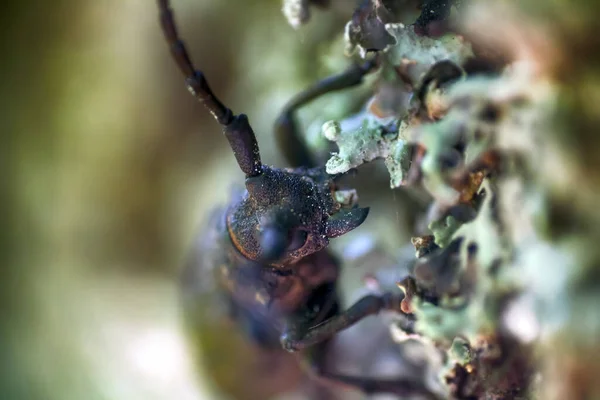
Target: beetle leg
[(401, 386), (295, 338), (287, 134)]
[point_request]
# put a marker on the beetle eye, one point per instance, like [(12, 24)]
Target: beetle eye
[(297, 239)]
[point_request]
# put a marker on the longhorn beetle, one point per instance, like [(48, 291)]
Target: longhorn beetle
[(266, 251)]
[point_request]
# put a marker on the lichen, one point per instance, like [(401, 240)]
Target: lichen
[(361, 138), (425, 50), (505, 265), (297, 12), (366, 136)]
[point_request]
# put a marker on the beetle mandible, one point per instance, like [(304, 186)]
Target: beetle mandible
[(266, 252)]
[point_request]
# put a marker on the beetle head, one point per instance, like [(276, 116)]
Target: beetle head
[(287, 214)]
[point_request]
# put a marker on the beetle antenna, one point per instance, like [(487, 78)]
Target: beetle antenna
[(237, 129)]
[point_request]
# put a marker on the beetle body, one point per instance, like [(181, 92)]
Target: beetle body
[(237, 306), (261, 280), (300, 283)]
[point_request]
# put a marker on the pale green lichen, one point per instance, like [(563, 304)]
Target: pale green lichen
[(401, 42), (439, 139), (495, 130), (484, 232), (490, 257), (444, 229), (460, 351), (425, 50), (477, 309), (363, 144), (367, 140), (398, 162), (296, 12), (439, 324), (484, 114)]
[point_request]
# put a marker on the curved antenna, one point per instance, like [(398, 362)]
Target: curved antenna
[(237, 129)]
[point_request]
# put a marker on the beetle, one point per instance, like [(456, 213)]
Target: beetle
[(265, 253)]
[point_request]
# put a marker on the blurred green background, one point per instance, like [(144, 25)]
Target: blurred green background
[(109, 165)]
